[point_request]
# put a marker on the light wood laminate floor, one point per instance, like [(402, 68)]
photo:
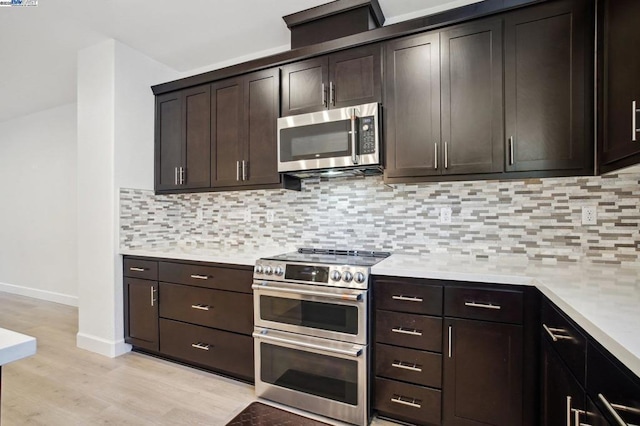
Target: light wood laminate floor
[(63, 385)]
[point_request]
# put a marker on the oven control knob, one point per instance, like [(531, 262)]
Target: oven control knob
[(279, 271), (259, 269), (335, 275), (268, 270), (359, 277), (347, 277)]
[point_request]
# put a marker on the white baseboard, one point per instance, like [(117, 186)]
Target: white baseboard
[(102, 346), (50, 296)]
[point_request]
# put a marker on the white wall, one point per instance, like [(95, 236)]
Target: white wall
[(38, 198), (115, 148)]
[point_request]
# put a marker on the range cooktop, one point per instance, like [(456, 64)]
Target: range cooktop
[(333, 257)]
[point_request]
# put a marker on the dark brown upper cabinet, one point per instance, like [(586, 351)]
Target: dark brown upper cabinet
[(548, 86), (348, 77), (182, 133), (444, 102), (619, 68), (244, 111)]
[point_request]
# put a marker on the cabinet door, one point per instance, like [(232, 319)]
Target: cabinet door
[(261, 103), (141, 313), (560, 390), (305, 86), (620, 138), (197, 137), (546, 107), (412, 100), (355, 76), (482, 373), (472, 113), (168, 135), (227, 121)]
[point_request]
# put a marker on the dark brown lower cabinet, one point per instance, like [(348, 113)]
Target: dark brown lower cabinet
[(561, 392), (408, 402), (482, 373), (141, 313)]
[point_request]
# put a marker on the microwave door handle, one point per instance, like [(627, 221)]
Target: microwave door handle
[(354, 153)]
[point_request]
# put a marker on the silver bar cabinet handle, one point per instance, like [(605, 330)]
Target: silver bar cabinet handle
[(135, 269), (482, 305), (399, 400), (244, 170), (324, 95), (634, 115), (202, 346), (435, 156), (175, 177), (412, 332), (182, 178), (450, 344), (200, 277), (407, 298), (201, 307), (354, 154), (612, 410), (511, 155), (237, 170), (551, 331), (153, 299), (410, 367), (576, 415), (446, 155), (568, 410)]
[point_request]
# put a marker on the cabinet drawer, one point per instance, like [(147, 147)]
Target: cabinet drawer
[(619, 386), (219, 350), (570, 343), (144, 269), (409, 365), (409, 403), (212, 308), (409, 330), (483, 304), (207, 276), (403, 296)]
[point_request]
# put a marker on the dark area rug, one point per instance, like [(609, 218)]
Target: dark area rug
[(258, 414)]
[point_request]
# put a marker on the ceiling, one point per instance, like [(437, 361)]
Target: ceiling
[(39, 45)]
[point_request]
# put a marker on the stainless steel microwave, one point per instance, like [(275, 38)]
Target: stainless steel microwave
[(337, 139)]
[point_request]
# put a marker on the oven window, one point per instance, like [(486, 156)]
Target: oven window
[(321, 375), (323, 140), (324, 316)]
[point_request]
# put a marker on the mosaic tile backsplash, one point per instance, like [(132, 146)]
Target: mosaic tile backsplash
[(533, 218)]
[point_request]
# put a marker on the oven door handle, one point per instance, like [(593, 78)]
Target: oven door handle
[(349, 297), (352, 353)]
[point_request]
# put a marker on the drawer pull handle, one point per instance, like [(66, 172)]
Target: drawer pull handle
[(410, 331), (200, 277), (610, 408), (407, 298), (482, 305), (153, 296), (406, 366), (201, 307), (552, 332), (409, 402), (201, 346), (135, 269)]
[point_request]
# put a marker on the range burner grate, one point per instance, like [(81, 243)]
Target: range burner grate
[(361, 253)]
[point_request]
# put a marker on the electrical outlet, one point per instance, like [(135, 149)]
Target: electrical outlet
[(247, 215), (270, 216), (445, 215), (589, 215)]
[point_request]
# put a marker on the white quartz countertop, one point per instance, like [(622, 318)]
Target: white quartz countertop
[(603, 299), (230, 255), (15, 346)]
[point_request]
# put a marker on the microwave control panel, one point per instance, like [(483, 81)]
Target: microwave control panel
[(367, 135)]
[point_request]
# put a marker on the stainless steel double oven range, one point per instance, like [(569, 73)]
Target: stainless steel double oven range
[(311, 337)]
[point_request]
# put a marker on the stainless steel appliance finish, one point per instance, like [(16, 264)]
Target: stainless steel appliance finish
[(343, 138), (311, 312)]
